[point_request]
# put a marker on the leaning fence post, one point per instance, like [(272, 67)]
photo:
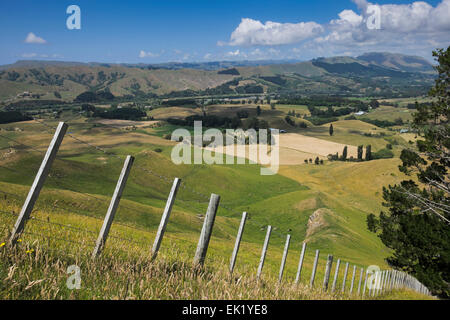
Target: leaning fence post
[(238, 241), (300, 264), (345, 277), (165, 218), (263, 253), (336, 274), (283, 260), (326, 279), (360, 281), (206, 232), (114, 204), (353, 279), (313, 274), (38, 183)]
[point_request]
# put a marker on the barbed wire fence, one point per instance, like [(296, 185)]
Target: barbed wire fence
[(378, 283)]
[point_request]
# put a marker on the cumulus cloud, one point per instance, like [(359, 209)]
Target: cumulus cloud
[(414, 28), (32, 38), (253, 32)]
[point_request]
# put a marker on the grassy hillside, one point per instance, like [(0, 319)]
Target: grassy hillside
[(338, 75), (338, 195)]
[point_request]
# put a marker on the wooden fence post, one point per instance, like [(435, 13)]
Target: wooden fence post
[(165, 218), (38, 182), (360, 280), (114, 204), (206, 232), (313, 274), (336, 275), (365, 282), (263, 253), (300, 263), (326, 278), (238, 242), (345, 277), (353, 279), (375, 284), (283, 260)]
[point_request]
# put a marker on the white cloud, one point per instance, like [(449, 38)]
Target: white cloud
[(143, 54), (234, 53), (414, 28), (253, 32), (32, 38)]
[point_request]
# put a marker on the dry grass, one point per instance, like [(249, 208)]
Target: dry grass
[(37, 269)]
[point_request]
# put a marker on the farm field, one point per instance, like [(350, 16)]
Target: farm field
[(83, 178)]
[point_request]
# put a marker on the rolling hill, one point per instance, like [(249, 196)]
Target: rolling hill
[(370, 74)]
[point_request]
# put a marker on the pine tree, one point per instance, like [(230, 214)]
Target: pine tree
[(331, 129), (417, 224), (369, 153), (360, 153), (344, 154)]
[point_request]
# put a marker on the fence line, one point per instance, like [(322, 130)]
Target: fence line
[(380, 282)]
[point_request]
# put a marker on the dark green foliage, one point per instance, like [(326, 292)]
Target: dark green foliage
[(87, 107), (210, 121), (374, 104), (380, 123), (344, 154), (276, 80), (317, 161), (258, 110), (57, 94), (416, 226), (87, 96), (369, 153), (383, 154), (121, 114), (290, 121), (90, 96), (250, 88), (13, 116), (360, 153), (331, 130), (232, 71), (317, 121), (33, 104)]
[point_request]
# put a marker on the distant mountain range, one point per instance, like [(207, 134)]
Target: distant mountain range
[(368, 74)]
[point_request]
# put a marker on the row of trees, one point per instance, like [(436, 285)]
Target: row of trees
[(317, 161), (360, 153)]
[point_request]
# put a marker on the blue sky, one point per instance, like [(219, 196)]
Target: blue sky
[(160, 31)]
